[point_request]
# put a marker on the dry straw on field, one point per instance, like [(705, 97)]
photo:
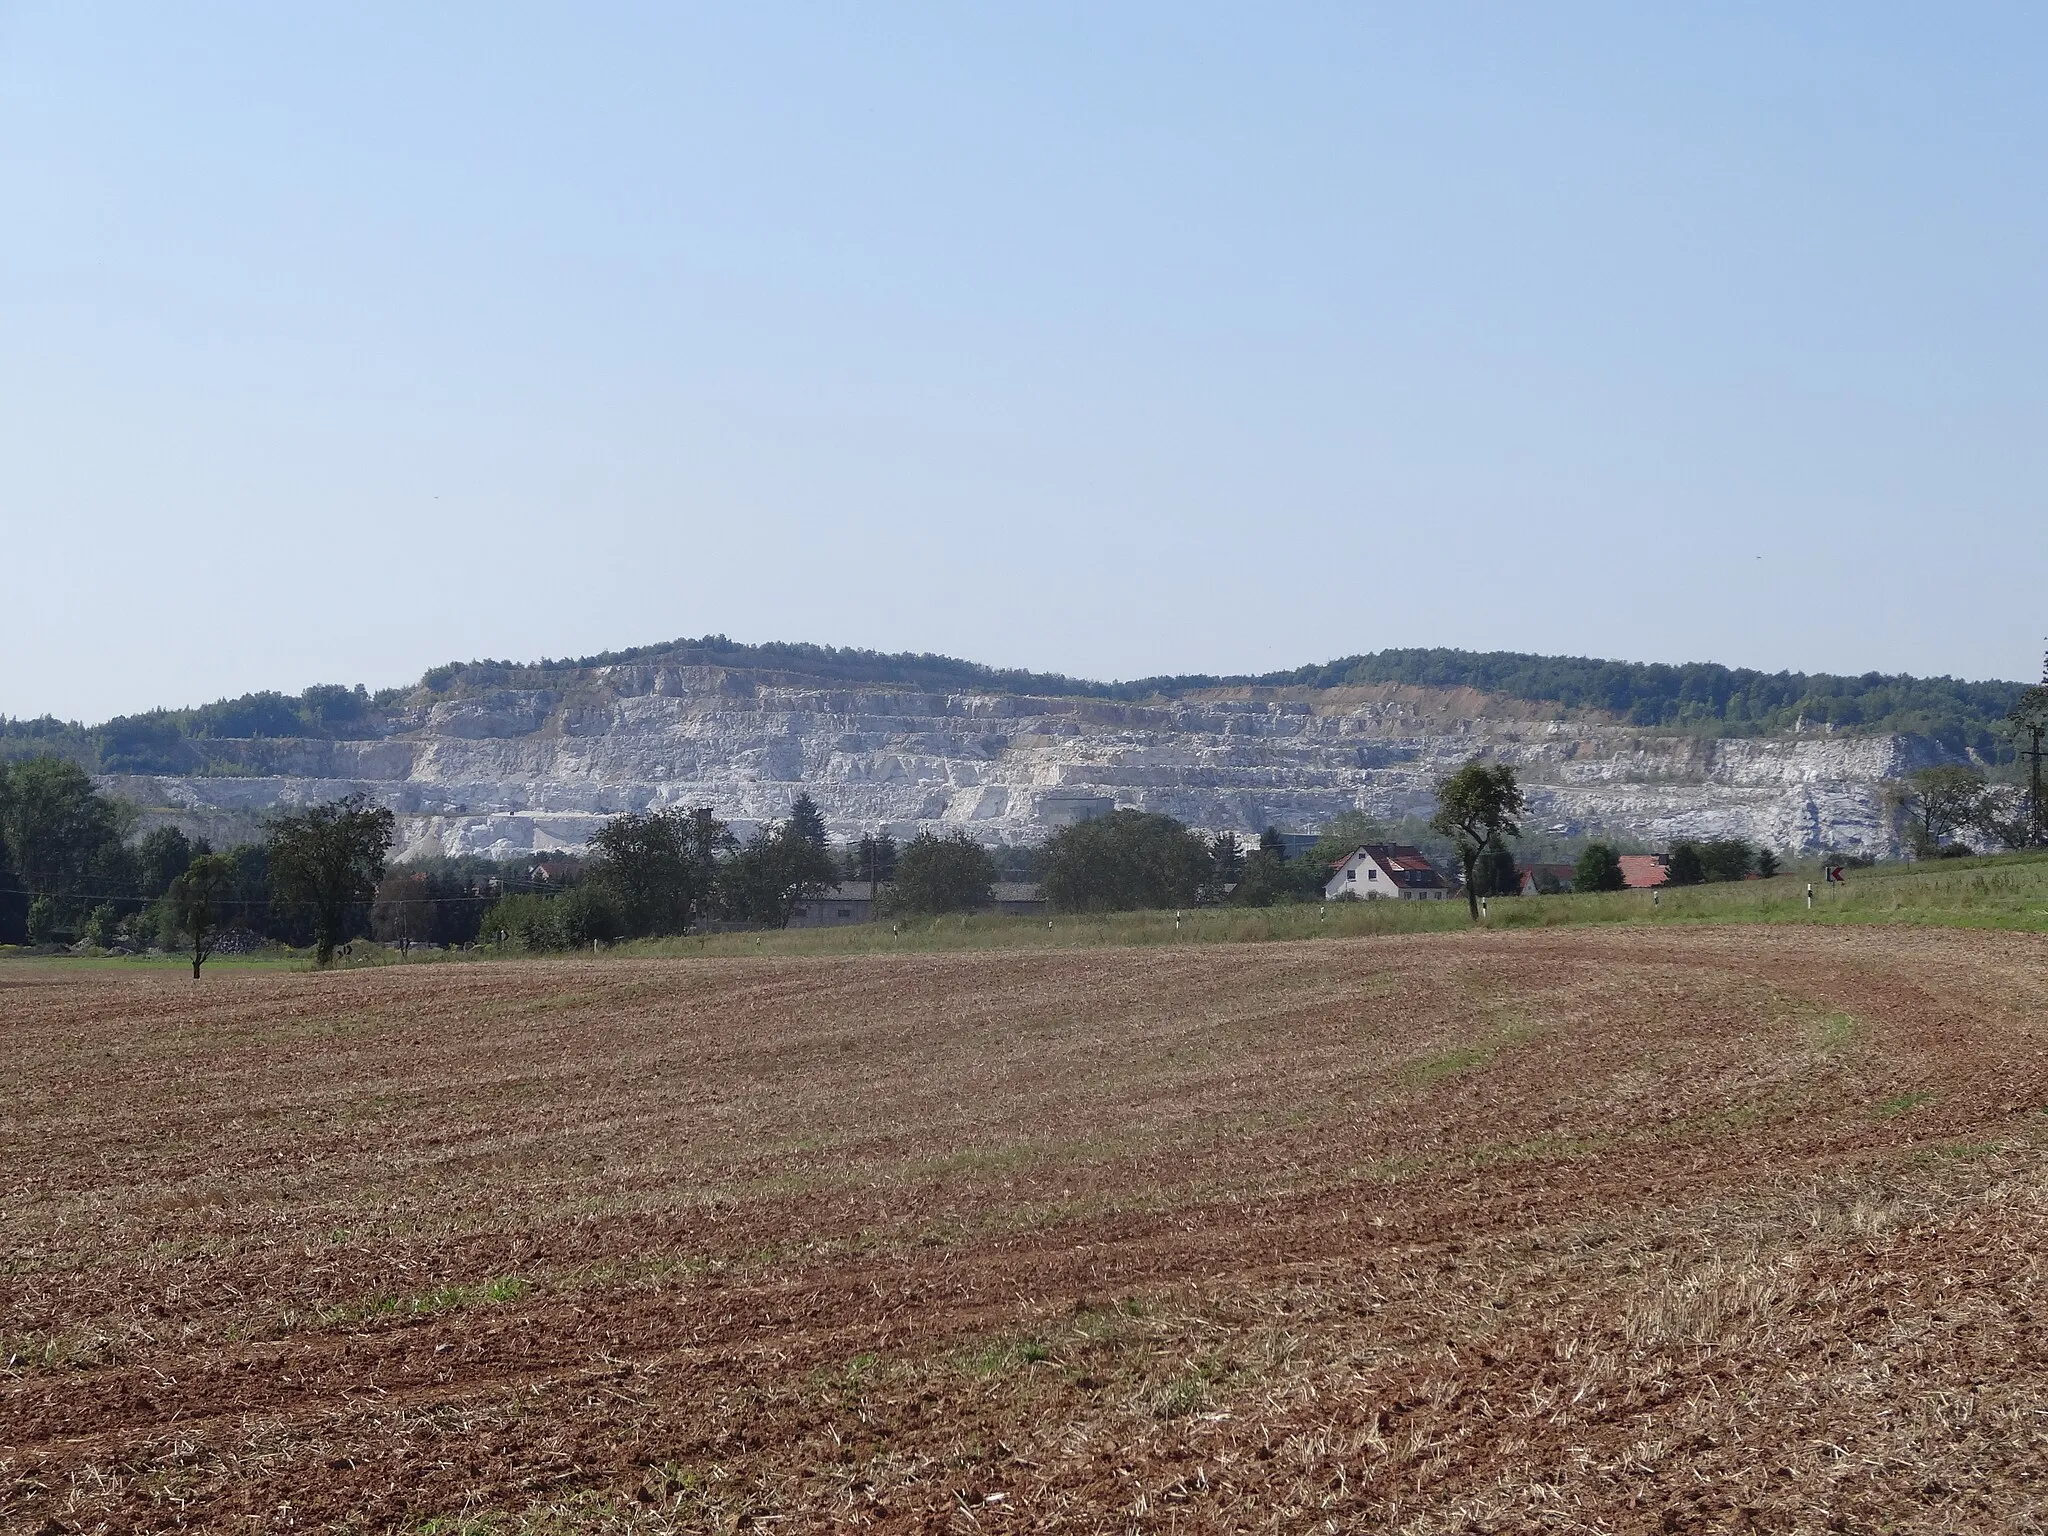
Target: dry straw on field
[(1589, 1230)]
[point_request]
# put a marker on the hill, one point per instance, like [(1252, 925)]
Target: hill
[(507, 759), (1700, 697)]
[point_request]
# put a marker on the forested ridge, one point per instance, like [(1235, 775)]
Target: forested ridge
[(1700, 697)]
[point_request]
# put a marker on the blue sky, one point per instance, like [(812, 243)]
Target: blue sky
[(338, 341)]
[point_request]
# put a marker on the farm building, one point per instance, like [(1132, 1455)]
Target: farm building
[(847, 902), (851, 902), (1017, 898), (1386, 872)]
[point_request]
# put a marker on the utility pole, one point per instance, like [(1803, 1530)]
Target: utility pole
[(2031, 716)]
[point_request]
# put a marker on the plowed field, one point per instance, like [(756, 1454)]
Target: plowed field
[(1569, 1230)]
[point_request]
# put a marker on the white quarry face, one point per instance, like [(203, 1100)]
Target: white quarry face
[(506, 772)]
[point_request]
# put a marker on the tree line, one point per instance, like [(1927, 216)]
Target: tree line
[(657, 873), (182, 740), (69, 870), (318, 878), (1702, 697)]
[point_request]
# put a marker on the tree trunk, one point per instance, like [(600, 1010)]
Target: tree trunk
[(1471, 888), (197, 961)]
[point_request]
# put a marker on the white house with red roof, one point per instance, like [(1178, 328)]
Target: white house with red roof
[(1386, 872)]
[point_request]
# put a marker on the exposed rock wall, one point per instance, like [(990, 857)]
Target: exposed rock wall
[(508, 772)]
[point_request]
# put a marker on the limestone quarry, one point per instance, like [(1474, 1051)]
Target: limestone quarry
[(509, 771)]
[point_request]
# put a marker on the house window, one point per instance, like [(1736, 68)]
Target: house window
[(846, 911), (1350, 874), (1372, 874)]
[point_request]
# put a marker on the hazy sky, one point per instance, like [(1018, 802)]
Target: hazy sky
[(338, 341)]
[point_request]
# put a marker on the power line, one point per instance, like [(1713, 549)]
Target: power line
[(509, 887)]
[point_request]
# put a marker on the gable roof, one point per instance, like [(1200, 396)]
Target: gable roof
[(846, 890), (1404, 863), (1643, 870)]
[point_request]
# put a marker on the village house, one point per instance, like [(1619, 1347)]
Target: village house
[(1386, 872), (1640, 871), (1543, 879)]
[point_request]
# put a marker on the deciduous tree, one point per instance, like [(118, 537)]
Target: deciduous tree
[(1125, 861), (99, 925), (2006, 815), (1478, 807), (660, 867), (873, 860), (1598, 869), (944, 873), (1683, 866), (1942, 800), (326, 860), (766, 880), (1726, 858), (165, 854), (2028, 720), (1226, 859), (198, 898), (1496, 872), (57, 827)]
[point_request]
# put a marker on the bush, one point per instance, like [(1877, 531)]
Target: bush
[(1716, 859), (1726, 858), (525, 921), (1494, 873), (99, 926), (155, 926), (1598, 869), (589, 913)]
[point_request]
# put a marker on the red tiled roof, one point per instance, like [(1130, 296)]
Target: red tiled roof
[(1643, 870)]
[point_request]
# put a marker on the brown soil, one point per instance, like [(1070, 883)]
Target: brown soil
[(1574, 1231)]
